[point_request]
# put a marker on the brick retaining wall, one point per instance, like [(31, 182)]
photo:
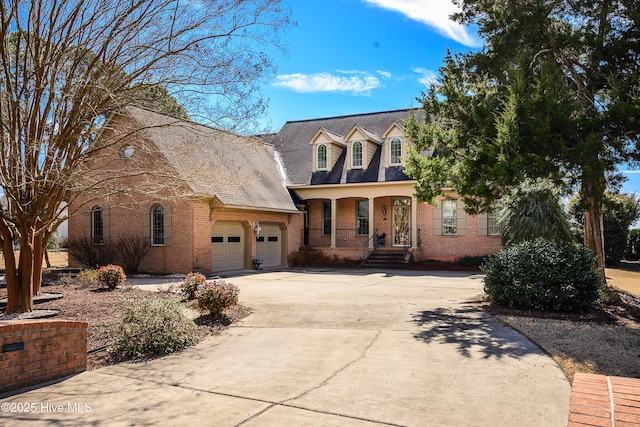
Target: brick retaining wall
[(35, 351)]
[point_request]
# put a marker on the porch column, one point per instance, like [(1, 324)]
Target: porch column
[(414, 222), (334, 221), (371, 224)]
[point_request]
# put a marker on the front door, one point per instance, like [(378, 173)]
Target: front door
[(401, 222)]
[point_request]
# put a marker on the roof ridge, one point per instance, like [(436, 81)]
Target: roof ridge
[(193, 122), (351, 115)]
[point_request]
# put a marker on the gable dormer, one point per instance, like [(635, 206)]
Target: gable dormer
[(362, 145), (395, 145), (327, 147)]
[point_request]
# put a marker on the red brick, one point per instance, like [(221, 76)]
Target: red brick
[(590, 420), (627, 409), (575, 400), (590, 410), (629, 418), (626, 402)]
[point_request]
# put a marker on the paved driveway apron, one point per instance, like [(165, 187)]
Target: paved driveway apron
[(332, 348)]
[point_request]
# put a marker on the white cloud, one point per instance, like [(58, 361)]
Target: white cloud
[(385, 74), (356, 82), (427, 77), (434, 13), (631, 172)]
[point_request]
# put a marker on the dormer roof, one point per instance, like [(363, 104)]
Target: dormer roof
[(363, 134), (396, 125), (323, 136)]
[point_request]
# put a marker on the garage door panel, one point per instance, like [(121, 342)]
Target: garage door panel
[(269, 245), (227, 246)]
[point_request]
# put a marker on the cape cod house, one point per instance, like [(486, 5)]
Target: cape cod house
[(349, 173), (334, 184)]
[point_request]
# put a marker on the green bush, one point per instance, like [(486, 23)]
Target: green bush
[(632, 251), (543, 275), (472, 260), (111, 276), (153, 326), (190, 284), (214, 297)]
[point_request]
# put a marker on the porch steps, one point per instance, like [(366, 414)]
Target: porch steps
[(393, 258)]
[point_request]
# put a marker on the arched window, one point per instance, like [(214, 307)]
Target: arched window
[(396, 151), (157, 225), (322, 156), (356, 154), (97, 225)]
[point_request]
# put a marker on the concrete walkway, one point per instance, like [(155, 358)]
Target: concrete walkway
[(329, 348)]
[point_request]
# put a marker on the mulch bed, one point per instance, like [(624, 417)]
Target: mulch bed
[(103, 309), (626, 311)]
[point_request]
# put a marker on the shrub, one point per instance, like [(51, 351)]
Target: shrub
[(543, 275), (111, 276), (190, 284), (472, 260), (131, 251), (632, 251), (153, 326), (214, 297), (88, 277), (89, 254)]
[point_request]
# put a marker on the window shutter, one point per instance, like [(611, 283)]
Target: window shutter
[(87, 224), (146, 223), (167, 224), (105, 225), (437, 220), (461, 218), (483, 224)]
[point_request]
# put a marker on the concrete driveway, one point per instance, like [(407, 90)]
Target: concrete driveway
[(330, 348)]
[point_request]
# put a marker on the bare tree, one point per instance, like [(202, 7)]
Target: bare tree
[(65, 66)]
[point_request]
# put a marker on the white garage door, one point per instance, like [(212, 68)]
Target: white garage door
[(269, 245), (227, 246)]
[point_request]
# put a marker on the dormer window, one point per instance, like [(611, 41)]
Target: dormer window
[(322, 156), (396, 151), (356, 154)]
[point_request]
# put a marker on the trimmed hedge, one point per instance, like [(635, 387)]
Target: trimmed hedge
[(543, 275)]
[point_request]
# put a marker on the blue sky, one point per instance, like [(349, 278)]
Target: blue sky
[(358, 56)]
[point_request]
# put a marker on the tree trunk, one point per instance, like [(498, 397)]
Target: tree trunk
[(36, 273), (592, 194)]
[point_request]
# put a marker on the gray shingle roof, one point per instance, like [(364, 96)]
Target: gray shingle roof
[(239, 171), (292, 141)]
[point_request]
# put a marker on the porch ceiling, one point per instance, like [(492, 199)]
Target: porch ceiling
[(361, 190)]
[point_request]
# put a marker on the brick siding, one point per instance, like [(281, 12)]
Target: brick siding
[(52, 349)]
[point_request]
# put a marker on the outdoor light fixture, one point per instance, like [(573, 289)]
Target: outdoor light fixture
[(384, 209), (256, 228)]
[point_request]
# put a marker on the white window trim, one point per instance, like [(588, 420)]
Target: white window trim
[(361, 165), (391, 162), (326, 160), (455, 211)]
